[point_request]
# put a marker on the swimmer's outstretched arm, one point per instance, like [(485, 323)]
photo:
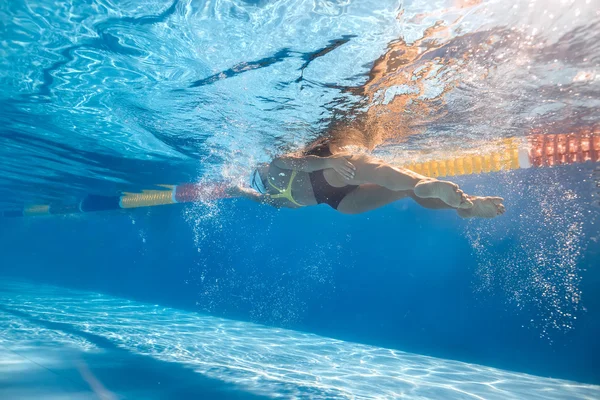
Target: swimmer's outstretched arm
[(314, 163), (238, 191)]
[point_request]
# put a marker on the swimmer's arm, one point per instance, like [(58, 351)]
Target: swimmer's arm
[(304, 164), (314, 163), (238, 191)]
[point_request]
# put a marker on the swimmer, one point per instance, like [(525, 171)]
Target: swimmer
[(354, 184)]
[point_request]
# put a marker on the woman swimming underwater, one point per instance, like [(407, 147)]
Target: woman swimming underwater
[(353, 184)]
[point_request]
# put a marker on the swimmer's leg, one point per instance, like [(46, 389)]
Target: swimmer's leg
[(369, 197), (483, 207), (370, 170), (432, 204)]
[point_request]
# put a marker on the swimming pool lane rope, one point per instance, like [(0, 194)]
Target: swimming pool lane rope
[(534, 151)]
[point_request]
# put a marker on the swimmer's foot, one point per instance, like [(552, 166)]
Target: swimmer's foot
[(483, 207), (448, 192)]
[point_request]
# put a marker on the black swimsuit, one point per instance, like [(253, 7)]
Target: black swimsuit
[(323, 191)]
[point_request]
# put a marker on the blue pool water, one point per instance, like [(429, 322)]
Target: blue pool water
[(230, 299)]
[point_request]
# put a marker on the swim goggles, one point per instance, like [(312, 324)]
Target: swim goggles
[(256, 183)]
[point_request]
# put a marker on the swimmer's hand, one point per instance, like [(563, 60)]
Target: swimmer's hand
[(342, 166)]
